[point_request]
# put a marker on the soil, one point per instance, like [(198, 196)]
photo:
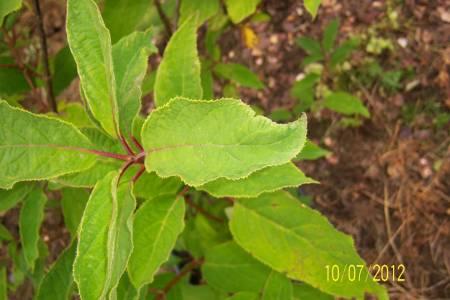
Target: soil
[(387, 181)]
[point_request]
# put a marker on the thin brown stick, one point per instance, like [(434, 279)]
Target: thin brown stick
[(203, 211), (186, 270), (47, 76), (163, 17)]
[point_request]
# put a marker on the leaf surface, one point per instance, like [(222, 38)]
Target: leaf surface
[(90, 43), (346, 103), (7, 7), (239, 10), (296, 240), (312, 151), (157, 224), (120, 25), (58, 281), (73, 202), (182, 139), (105, 238), (10, 198), (36, 147), (179, 71), (130, 57), (269, 179), (204, 8), (30, 220), (239, 74), (312, 6)]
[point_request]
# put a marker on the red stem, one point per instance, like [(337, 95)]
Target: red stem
[(138, 174), (125, 145), (136, 142)]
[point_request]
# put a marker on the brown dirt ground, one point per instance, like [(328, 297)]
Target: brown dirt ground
[(379, 185)]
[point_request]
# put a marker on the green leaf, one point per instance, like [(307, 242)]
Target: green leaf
[(58, 281), (130, 56), (151, 185), (342, 52), (10, 198), (207, 82), (3, 283), (244, 296), (240, 74), (126, 290), (36, 147), (105, 238), (122, 17), (294, 239), (88, 178), (13, 82), (312, 6), (304, 91), (312, 151), (7, 7), (157, 224), (230, 269), (266, 180), (303, 291), (30, 219), (181, 139), (201, 234), (90, 43), (74, 113), (239, 10), (277, 287), (65, 70), (202, 9), (179, 71), (346, 104), (330, 34), (311, 46), (73, 202)]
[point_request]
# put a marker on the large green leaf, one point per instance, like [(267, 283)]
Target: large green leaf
[(196, 140), (9, 198), (230, 269), (296, 240), (30, 220), (36, 147), (7, 7), (266, 180), (302, 291), (88, 178), (346, 103), (105, 238), (58, 281), (238, 10), (90, 43), (179, 71), (130, 57), (157, 224), (123, 16), (204, 8), (240, 74)]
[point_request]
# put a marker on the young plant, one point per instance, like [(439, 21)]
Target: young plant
[(133, 232), (324, 60)]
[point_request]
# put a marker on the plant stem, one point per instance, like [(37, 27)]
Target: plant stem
[(186, 270), (47, 77), (203, 211), (163, 17)]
